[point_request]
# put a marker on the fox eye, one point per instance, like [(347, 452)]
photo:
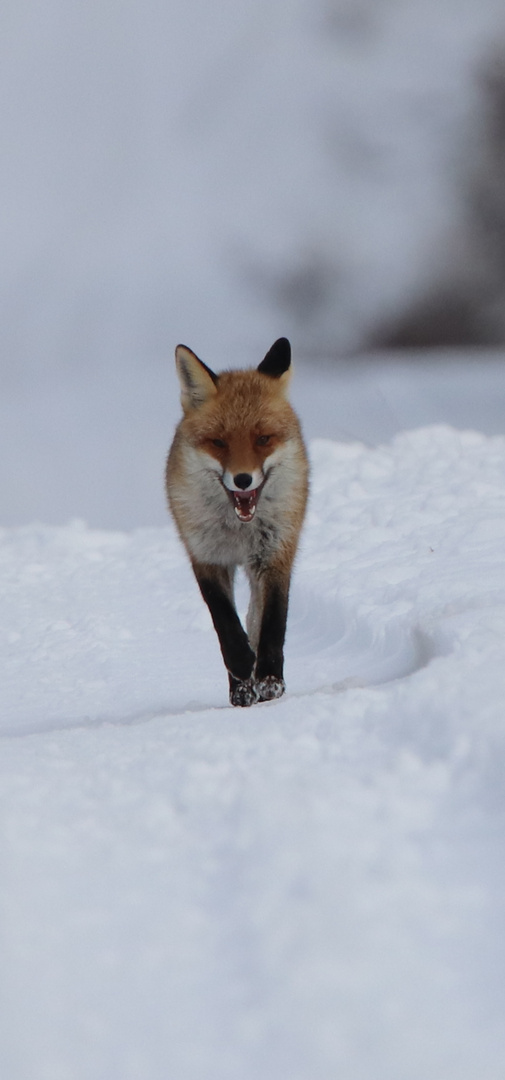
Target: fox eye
[(263, 440), (219, 442)]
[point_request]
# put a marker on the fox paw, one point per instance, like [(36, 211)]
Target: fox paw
[(270, 687), (243, 693)]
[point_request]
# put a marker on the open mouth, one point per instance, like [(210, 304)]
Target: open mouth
[(245, 502)]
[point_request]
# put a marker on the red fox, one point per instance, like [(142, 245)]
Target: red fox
[(237, 483)]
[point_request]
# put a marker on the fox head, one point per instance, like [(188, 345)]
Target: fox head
[(240, 421)]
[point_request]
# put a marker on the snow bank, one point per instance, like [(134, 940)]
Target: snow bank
[(94, 447), (311, 888)]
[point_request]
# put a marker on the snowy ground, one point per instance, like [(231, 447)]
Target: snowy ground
[(309, 889)]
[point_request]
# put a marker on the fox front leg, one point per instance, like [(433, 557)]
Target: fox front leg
[(216, 588), (269, 671)]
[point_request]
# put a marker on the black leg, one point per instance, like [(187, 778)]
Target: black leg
[(270, 660), (216, 589)]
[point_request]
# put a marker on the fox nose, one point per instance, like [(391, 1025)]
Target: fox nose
[(242, 480)]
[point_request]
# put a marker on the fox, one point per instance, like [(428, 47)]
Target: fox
[(237, 481)]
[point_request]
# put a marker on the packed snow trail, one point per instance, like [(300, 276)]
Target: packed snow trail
[(310, 888)]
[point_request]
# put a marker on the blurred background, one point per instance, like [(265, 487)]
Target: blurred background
[(221, 174)]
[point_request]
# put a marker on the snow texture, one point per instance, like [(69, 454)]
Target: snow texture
[(310, 888)]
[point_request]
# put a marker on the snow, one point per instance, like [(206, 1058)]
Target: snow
[(309, 888), (92, 445), (313, 888)]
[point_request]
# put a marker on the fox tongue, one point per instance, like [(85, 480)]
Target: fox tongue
[(244, 504)]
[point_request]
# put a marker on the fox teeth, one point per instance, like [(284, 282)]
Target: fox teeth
[(245, 514), (244, 504)]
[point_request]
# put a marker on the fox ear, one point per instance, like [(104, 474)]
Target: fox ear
[(198, 382), (277, 360)]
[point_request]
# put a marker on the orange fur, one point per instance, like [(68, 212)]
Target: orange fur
[(237, 481)]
